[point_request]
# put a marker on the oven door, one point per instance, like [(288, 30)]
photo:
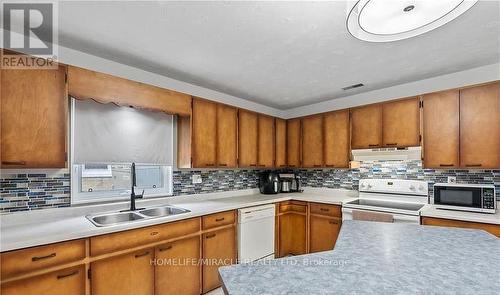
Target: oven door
[(468, 198)]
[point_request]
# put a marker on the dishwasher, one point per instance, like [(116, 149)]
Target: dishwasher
[(256, 233)]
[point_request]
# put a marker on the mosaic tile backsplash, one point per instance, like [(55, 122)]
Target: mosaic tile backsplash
[(21, 192)]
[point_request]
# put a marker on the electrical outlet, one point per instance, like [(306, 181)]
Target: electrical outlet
[(196, 178), (452, 179)]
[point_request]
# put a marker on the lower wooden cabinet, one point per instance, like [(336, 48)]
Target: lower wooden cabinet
[(128, 274), (177, 270), (291, 226), (323, 232), (69, 281), (219, 249), (491, 228)]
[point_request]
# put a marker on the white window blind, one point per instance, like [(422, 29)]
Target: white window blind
[(106, 133)]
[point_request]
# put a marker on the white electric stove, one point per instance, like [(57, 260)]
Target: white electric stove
[(400, 198)]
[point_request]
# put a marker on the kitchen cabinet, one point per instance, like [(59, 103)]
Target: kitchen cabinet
[(312, 141), (219, 249), (491, 228), (366, 127), (441, 119), (247, 138), (336, 139), (131, 273), (324, 226), (280, 145), (401, 123), (227, 136), (293, 141), (177, 271), (204, 133), (291, 228), (480, 126), (34, 118), (265, 141)]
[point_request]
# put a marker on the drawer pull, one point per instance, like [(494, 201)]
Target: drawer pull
[(333, 222), (222, 165), (445, 165), (253, 165), (329, 165), (324, 209), (142, 254), (373, 145), (291, 165), (473, 165), (166, 248), (282, 165), (210, 236), (154, 233), (20, 163), (220, 219), (67, 275), (391, 144), (37, 258), (210, 164), (316, 165)]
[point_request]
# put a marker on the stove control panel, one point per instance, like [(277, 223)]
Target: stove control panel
[(395, 186)]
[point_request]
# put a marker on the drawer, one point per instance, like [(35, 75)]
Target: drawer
[(219, 219), (293, 206), (137, 237), (326, 209), (36, 258)]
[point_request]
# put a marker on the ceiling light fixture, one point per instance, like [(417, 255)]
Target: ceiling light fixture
[(392, 20)]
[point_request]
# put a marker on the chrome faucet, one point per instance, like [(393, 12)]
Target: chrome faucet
[(133, 196)]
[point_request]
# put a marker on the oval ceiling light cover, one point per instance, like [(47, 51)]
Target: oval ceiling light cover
[(392, 20)]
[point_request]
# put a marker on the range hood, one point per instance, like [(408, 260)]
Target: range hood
[(387, 154)]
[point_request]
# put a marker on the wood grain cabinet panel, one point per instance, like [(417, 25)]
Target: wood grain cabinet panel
[(247, 138), (177, 271), (218, 246), (336, 139), (293, 143), (204, 133), (34, 115), (292, 234), (366, 127), (265, 142), (227, 136), (441, 129), (218, 219), (69, 281), (323, 232), (480, 126), (280, 145), (401, 123), (128, 274), (325, 209), (312, 141), (491, 228)]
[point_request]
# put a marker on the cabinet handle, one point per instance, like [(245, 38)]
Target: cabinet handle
[(220, 219), (210, 236), (317, 165), (328, 165), (324, 209), (333, 222), (222, 165), (291, 165), (373, 145), (68, 274), (142, 254), (282, 165), (473, 165), (253, 165), (210, 164), (154, 233), (445, 165), (37, 258), (261, 165), (391, 144), (20, 163), (165, 248)]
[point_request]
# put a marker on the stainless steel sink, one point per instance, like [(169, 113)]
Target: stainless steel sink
[(162, 211)]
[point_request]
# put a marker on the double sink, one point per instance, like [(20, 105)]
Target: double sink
[(114, 218)]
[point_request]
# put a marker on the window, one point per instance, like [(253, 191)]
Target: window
[(106, 139)]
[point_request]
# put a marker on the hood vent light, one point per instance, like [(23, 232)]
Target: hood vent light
[(353, 86)]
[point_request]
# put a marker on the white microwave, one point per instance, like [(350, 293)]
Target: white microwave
[(465, 197)]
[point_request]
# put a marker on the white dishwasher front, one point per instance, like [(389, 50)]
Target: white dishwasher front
[(256, 233)]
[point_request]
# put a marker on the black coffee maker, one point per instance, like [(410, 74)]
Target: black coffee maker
[(269, 182)]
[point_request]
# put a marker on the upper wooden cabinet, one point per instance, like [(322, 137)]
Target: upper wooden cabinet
[(204, 133), (441, 129), (366, 124), (247, 138), (401, 123), (280, 144), (480, 126), (336, 139), (266, 142), (293, 142), (34, 118), (227, 136), (312, 141)]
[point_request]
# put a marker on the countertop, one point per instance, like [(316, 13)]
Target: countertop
[(380, 258)]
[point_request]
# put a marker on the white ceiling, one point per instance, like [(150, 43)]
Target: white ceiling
[(280, 54)]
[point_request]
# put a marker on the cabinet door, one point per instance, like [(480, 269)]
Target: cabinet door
[(247, 139), (63, 282), (323, 232), (293, 142), (266, 141), (480, 126), (292, 234), (131, 274), (227, 136), (366, 124), (218, 246), (280, 145), (441, 129), (204, 133), (34, 116), (401, 123), (336, 139), (177, 271), (312, 141)]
